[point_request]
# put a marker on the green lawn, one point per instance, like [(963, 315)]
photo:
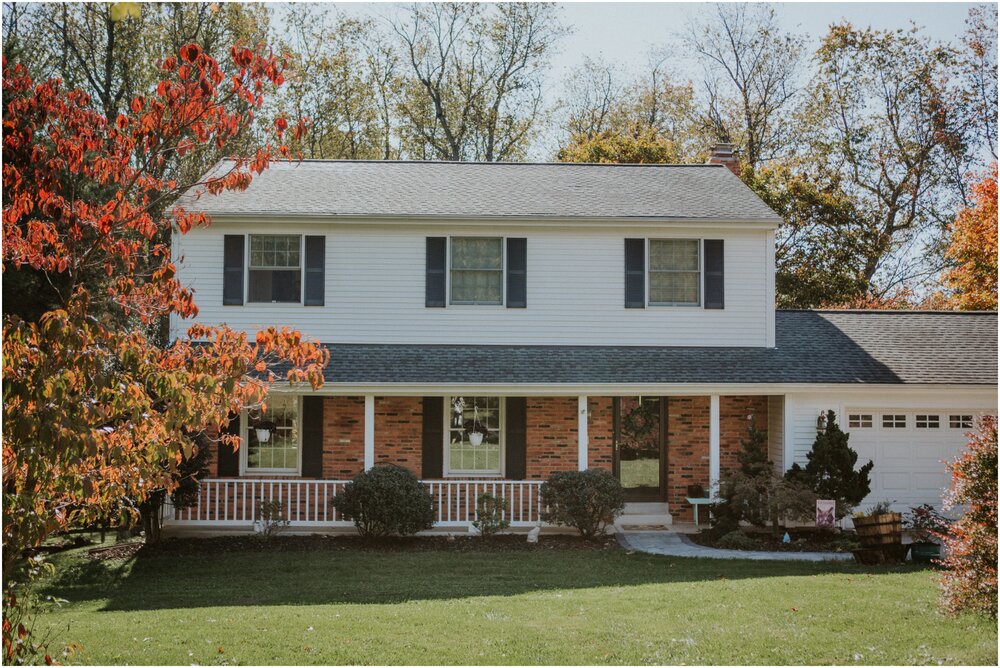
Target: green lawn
[(541, 607)]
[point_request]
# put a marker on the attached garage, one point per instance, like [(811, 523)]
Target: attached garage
[(909, 449)]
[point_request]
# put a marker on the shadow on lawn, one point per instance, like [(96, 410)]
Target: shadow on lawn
[(328, 577)]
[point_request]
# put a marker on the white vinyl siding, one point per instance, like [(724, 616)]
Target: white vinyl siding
[(575, 278), (909, 462)]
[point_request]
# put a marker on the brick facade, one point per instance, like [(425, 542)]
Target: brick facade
[(551, 439), (343, 437), (600, 433), (734, 423), (399, 432), (687, 451)]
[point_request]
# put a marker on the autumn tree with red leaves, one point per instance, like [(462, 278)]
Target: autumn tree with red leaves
[(969, 581), (98, 410), (973, 249)]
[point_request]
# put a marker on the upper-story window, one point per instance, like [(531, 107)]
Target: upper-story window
[(275, 269), (674, 272), (476, 270)]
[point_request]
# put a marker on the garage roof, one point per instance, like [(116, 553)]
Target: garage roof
[(850, 347), (426, 189)]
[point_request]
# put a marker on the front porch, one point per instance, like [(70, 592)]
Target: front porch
[(686, 441)]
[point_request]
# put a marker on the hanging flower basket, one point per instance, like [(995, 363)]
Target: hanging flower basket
[(476, 432)]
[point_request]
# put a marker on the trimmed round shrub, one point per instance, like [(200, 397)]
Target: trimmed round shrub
[(386, 500), (737, 540), (586, 500)]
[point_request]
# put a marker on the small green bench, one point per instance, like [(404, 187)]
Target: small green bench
[(699, 501)]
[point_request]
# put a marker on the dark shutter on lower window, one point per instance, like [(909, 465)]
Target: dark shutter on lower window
[(229, 459), (715, 275), (315, 270), (635, 273), (517, 273), (312, 437), (433, 438), (437, 264), (515, 440), (233, 256)]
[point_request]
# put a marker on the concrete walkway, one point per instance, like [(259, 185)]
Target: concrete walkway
[(670, 544)]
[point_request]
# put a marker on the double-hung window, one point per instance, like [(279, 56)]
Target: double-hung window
[(474, 436), (275, 269), (674, 272), (477, 270), (281, 426)]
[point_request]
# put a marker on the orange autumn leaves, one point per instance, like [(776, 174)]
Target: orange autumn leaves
[(973, 249), (97, 409)]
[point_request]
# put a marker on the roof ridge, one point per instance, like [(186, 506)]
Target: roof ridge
[(485, 163)]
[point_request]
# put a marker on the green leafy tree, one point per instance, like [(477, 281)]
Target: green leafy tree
[(830, 469), (752, 456), (647, 117), (821, 244), (884, 120)]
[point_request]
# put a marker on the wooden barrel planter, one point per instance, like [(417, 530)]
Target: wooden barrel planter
[(881, 530)]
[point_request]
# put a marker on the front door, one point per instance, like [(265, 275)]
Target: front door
[(640, 447)]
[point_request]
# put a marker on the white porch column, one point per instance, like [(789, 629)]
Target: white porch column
[(713, 444), (369, 431), (582, 435)]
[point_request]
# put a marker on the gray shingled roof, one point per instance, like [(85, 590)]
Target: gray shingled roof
[(472, 190), (887, 347)]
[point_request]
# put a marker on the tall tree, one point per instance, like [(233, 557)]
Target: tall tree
[(751, 78), (883, 119), (93, 47), (979, 63), (337, 76), (972, 249), (821, 245), (473, 90), (650, 117), (95, 409)]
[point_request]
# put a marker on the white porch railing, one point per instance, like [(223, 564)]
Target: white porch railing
[(308, 503)]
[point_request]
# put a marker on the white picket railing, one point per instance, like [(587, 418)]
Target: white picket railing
[(308, 503)]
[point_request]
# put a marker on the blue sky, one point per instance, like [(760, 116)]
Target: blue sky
[(624, 31)]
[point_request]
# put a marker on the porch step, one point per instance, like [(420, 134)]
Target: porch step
[(644, 515), (648, 508)]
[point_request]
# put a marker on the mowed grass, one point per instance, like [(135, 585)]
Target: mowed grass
[(540, 607)]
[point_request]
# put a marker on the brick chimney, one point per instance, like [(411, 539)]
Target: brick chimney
[(724, 154)]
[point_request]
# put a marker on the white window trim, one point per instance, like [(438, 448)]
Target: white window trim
[(302, 269), (503, 273), (245, 470), (861, 419), (931, 420), (701, 274), (974, 417), (458, 473)]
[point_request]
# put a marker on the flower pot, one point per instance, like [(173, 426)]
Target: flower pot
[(881, 530), (925, 553), (476, 439)]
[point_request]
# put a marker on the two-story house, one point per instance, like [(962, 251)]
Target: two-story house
[(492, 323)]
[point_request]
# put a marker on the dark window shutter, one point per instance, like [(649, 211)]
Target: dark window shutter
[(635, 273), (315, 270), (515, 439), (229, 459), (715, 275), (437, 263), (312, 437), (517, 271), (433, 450), (233, 256)]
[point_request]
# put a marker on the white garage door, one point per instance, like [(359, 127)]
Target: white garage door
[(909, 450)]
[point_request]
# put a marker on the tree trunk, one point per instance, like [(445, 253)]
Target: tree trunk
[(150, 514)]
